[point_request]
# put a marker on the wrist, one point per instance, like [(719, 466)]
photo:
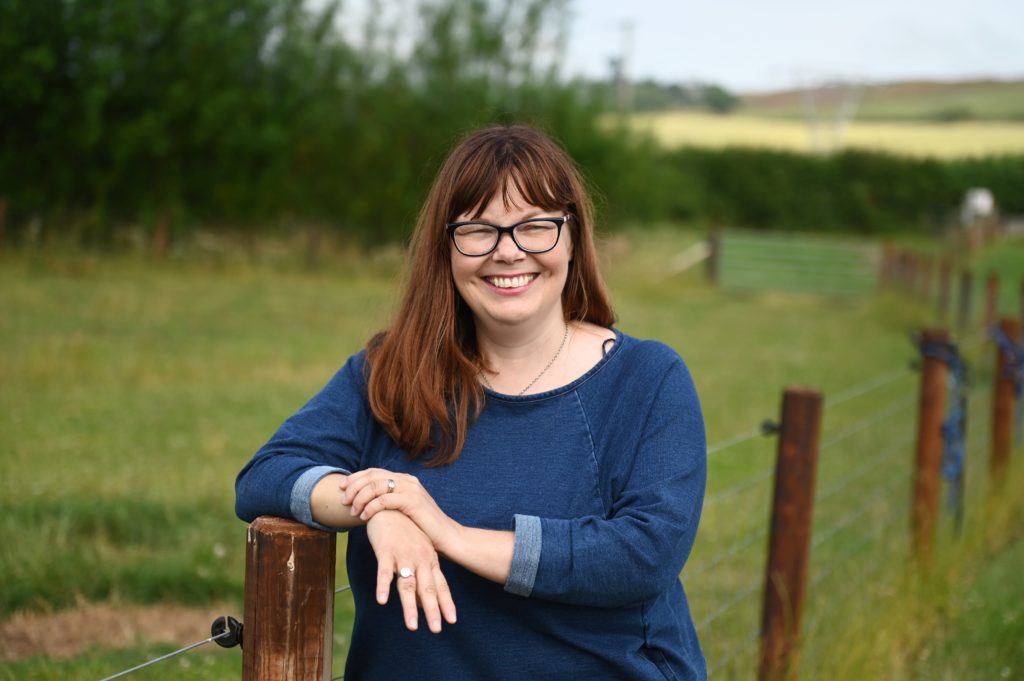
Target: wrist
[(450, 541)]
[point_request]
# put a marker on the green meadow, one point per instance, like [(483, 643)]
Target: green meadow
[(133, 391)]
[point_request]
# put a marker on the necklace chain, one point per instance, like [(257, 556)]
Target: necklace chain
[(543, 371)]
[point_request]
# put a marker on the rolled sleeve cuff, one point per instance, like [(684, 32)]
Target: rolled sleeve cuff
[(525, 555), (303, 488)]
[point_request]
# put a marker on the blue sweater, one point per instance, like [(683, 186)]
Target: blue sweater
[(602, 481)]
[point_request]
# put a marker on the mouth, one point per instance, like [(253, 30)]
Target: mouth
[(511, 282)]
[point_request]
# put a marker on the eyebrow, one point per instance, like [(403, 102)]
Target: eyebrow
[(527, 216)]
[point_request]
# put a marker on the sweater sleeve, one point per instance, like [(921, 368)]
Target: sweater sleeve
[(325, 436), (639, 549)]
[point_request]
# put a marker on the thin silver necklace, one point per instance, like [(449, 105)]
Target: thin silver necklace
[(543, 371)]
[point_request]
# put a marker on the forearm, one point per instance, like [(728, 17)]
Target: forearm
[(325, 503), (487, 553)]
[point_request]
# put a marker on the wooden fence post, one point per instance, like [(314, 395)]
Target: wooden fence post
[(991, 300), (1002, 408), (714, 261), (928, 460), (964, 309), (942, 305), (789, 548), (289, 602)]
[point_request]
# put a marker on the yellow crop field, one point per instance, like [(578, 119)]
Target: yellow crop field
[(945, 140)]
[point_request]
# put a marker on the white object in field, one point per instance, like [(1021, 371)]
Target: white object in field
[(977, 205)]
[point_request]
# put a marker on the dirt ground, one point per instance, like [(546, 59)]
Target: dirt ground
[(68, 633)]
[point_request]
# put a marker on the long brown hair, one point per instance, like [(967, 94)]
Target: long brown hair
[(423, 385)]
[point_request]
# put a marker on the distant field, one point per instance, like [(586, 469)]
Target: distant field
[(976, 100), (943, 140)]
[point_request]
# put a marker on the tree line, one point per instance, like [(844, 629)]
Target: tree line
[(257, 113)]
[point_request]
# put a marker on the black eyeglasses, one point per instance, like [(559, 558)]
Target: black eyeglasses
[(536, 235)]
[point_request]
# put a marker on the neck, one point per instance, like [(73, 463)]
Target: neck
[(517, 347)]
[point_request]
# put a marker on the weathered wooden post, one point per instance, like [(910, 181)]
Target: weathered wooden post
[(289, 602), (714, 261), (942, 305), (928, 461), (1002, 408), (991, 300), (963, 318), (789, 548), (927, 276)]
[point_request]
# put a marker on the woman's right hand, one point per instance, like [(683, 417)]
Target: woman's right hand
[(399, 543)]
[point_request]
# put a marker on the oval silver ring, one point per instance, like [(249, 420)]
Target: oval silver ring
[(405, 573), (391, 486)]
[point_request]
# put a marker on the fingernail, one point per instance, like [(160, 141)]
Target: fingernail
[(381, 595), (411, 624), (363, 515), (435, 626)]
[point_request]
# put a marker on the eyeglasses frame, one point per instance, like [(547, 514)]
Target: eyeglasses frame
[(510, 230)]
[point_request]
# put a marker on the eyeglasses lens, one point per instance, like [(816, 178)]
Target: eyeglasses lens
[(532, 236)]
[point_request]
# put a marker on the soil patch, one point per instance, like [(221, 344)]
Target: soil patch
[(104, 625)]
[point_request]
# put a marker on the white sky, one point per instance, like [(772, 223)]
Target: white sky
[(759, 45)]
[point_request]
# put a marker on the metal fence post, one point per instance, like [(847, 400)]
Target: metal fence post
[(289, 602), (789, 548)]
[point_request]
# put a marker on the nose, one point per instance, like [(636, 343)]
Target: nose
[(507, 250)]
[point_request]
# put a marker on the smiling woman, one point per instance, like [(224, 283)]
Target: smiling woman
[(502, 448)]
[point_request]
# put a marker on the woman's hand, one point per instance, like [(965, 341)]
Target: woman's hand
[(373, 490), (399, 543)]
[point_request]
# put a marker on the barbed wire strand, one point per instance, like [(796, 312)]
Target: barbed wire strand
[(732, 550), (167, 656), (865, 423), (733, 441), (736, 652), (825, 534), (746, 483), (868, 466), (728, 605), (874, 383)]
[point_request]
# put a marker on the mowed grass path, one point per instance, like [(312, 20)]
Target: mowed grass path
[(133, 393)]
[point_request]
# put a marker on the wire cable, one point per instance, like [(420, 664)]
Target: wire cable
[(167, 656), (864, 387), (865, 423)]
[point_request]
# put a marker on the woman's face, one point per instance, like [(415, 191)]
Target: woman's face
[(509, 286)]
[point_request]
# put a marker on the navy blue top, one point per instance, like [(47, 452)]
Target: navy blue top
[(602, 481)]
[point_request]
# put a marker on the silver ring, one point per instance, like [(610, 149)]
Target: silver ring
[(391, 486), (405, 573)]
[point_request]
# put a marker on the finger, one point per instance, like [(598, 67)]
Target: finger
[(382, 503), (427, 590), (407, 594), (385, 573), (444, 596), (367, 494), (357, 481)]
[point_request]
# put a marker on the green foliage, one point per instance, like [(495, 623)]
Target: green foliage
[(858, 191), (650, 95)]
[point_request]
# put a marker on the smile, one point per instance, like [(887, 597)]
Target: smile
[(517, 281)]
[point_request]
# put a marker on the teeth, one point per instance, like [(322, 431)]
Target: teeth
[(511, 282)]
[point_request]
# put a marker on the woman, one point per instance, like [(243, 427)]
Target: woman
[(503, 448)]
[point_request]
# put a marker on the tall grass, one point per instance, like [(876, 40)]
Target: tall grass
[(134, 392)]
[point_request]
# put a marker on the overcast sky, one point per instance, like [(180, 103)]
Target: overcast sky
[(759, 45)]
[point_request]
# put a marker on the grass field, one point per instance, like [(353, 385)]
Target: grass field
[(917, 138), (910, 101), (133, 393)]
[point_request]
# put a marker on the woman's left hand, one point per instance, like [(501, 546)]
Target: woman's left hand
[(375, 489)]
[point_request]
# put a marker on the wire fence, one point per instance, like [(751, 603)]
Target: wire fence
[(862, 510)]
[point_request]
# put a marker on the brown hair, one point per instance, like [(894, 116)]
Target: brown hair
[(423, 385)]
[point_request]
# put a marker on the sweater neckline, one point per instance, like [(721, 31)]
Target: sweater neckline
[(568, 387)]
